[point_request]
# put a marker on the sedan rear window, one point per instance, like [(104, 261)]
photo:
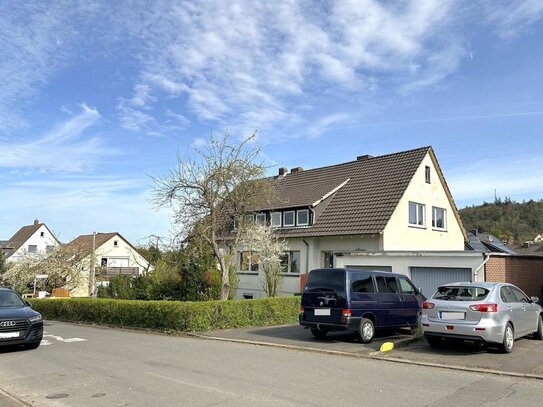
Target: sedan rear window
[(457, 293)]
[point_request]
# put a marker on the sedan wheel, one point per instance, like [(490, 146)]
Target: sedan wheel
[(508, 339), (539, 333), (366, 330)]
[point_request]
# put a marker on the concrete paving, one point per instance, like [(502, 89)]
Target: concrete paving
[(526, 359)]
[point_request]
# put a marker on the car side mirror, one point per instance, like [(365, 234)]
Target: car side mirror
[(534, 299), (28, 304)]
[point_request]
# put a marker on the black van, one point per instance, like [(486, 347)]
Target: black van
[(345, 299)]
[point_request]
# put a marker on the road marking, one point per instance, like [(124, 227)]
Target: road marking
[(46, 342)]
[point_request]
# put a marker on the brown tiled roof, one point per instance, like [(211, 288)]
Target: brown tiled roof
[(373, 187), (19, 238), (83, 244)]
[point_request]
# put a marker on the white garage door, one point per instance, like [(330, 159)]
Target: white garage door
[(429, 278)]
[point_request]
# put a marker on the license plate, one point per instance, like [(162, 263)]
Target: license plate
[(322, 312), (6, 335), (453, 315)]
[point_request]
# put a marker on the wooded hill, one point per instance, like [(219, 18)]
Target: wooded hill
[(506, 219)]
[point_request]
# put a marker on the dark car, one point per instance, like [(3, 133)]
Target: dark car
[(359, 301), (19, 323)]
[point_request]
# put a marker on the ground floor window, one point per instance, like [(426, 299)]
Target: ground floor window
[(248, 261), (290, 262)]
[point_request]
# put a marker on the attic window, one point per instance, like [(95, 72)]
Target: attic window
[(288, 218), (302, 217), (261, 218), (416, 214), (42, 234), (115, 243), (427, 174)]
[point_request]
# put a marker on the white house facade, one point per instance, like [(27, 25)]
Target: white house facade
[(392, 213), (30, 240)]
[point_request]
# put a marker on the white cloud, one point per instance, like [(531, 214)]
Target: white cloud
[(512, 18), (60, 149)]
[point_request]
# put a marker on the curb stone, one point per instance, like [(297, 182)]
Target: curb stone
[(374, 356)]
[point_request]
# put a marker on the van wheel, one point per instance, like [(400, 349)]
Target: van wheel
[(539, 333), (508, 339), (318, 333), (366, 331)]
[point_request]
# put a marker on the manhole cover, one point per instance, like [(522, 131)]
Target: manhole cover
[(57, 396)]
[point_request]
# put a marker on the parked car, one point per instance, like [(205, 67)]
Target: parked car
[(493, 313), (19, 323), (361, 301)]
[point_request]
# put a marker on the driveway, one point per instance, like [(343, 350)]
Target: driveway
[(526, 359)]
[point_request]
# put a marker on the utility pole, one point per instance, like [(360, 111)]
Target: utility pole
[(92, 272)]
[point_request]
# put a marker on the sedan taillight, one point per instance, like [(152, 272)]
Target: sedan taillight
[(484, 307), (428, 305)]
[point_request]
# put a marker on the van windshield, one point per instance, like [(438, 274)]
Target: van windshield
[(326, 281)]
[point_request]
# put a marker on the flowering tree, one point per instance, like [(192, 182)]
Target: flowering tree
[(210, 191), (59, 265), (260, 238)]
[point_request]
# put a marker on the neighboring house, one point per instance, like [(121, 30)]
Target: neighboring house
[(35, 239), (486, 243), (109, 254), (392, 212), (539, 238)]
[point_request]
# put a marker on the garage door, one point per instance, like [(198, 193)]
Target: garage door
[(429, 278)]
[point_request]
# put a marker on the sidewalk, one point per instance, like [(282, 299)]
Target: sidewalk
[(7, 401), (526, 360)]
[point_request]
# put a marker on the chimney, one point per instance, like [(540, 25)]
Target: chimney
[(363, 157), (36, 221), (296, 170), (283, 171)]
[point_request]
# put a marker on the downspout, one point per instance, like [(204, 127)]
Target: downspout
[(486, 258), (306, 256)]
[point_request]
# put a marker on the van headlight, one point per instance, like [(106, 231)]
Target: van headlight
[(35, 318)]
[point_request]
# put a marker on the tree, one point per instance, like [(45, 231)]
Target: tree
[(260, 238), (210, 191), (59, 265), (3, 266)]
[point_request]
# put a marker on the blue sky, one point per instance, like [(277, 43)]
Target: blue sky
[(96, 97)]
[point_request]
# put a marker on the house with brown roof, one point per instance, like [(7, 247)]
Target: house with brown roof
[(102, 255), (30, 240), (392, 212)]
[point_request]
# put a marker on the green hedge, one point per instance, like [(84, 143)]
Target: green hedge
[(172, 316)]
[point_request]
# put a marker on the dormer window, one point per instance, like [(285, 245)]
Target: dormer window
[(302, 217), (261, 218), (276, 219), (288, 218)]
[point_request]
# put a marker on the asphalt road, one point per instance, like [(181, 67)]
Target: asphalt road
[(85, 366)]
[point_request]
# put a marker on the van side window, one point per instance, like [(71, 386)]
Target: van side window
[(362, 283), (381, 285), (392, 285), (406, 286)]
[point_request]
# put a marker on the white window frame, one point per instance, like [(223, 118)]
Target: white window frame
[(262, 217), (253, 267), (298, 217), (434, 218), (293, 219), (417, 223), (275, 225), (427, 174)]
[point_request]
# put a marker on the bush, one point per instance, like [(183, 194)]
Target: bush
[(172, 316)]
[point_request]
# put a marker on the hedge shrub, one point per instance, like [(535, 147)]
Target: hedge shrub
[(172, 316)]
